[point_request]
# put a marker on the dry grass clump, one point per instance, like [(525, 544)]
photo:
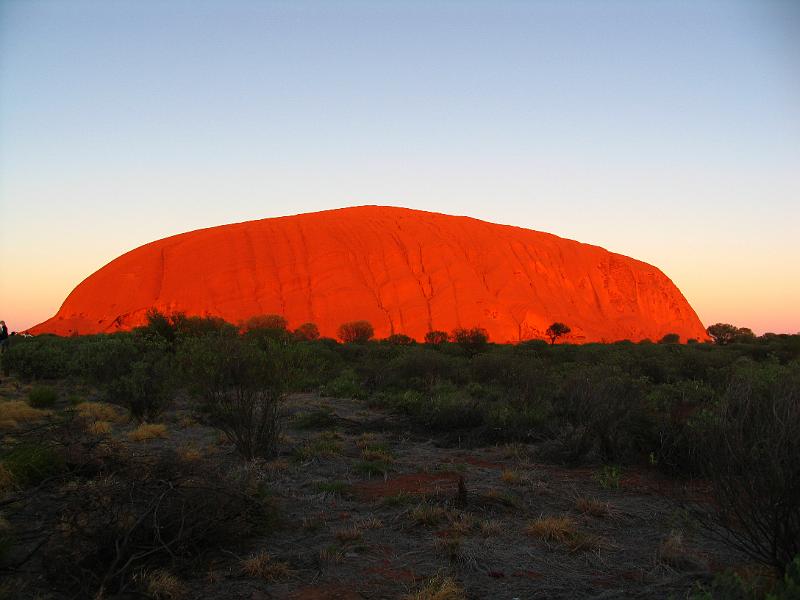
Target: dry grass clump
[(148, 431), (365, 440), (552, 529), (511, 477), (462, 523), (99, 427), (190, 453), (491, 528), (348, 534), (14, 412), (323, 446), (331, 554), (592, 506), (186, 421), (427, 514), (377, 454), (261, 566), (563, 530), (162, 585), (371, 523), (6, 480), (99, 411), (516, 451), (439, 588), (674, 553), (501, 497)]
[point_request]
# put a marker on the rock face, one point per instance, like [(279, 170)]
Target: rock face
[(405, 271)]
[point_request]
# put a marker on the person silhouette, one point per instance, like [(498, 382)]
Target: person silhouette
[(3, 336)]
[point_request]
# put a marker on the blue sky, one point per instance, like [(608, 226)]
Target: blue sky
[(667, 131)]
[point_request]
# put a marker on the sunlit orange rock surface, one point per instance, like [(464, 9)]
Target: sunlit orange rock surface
[(405, 271)]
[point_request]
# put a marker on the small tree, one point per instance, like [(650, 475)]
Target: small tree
[(241, 385), (670, 338), (557, 330), (472, 340), (265, 322), (436, 338), (750, 454), (400, 339), (725, 333), (356, 332), (307, 332)]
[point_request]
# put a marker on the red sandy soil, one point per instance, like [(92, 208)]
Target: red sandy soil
[(405, 271)]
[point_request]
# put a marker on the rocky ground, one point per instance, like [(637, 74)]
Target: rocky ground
[(370, 507)]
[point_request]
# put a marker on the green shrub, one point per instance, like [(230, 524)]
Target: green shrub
[(147, 387), (750, 455), (41, 357), (609, 477), (345, 385), (30, 464), (241, 387), (42, 396)]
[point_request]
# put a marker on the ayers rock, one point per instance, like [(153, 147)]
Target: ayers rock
[(405, 271)]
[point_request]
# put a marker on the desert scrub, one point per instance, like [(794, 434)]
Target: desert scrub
[(593, 507), (337, 488), (320, 418), (491, 528), (30, 463), (563, 530), (262, 566), (609, 477), (348, 534), (148, 431), (190, 453), (377, 452), (440, 587), (99, 411), (14, 412), (673, 552), (399, 499), (371, 467), (98, 428), (321, 447), (151, 514), (162, 585), (241, 383), (427, 514), (6, 480), (552, 529), (511, 477), (42, 396)]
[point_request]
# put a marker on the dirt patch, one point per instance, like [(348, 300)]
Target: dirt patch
[(412, 483), (325, 592)]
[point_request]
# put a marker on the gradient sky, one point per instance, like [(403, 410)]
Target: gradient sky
[(666, 131)]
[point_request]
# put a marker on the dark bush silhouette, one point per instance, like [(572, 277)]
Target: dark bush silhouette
[(435, 338), (670, 338), (265, 322), (356, 332), (400, 339), (307, 332), (725, 333), (751, 456), (556, 330), (473, 340), (148, 515)]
